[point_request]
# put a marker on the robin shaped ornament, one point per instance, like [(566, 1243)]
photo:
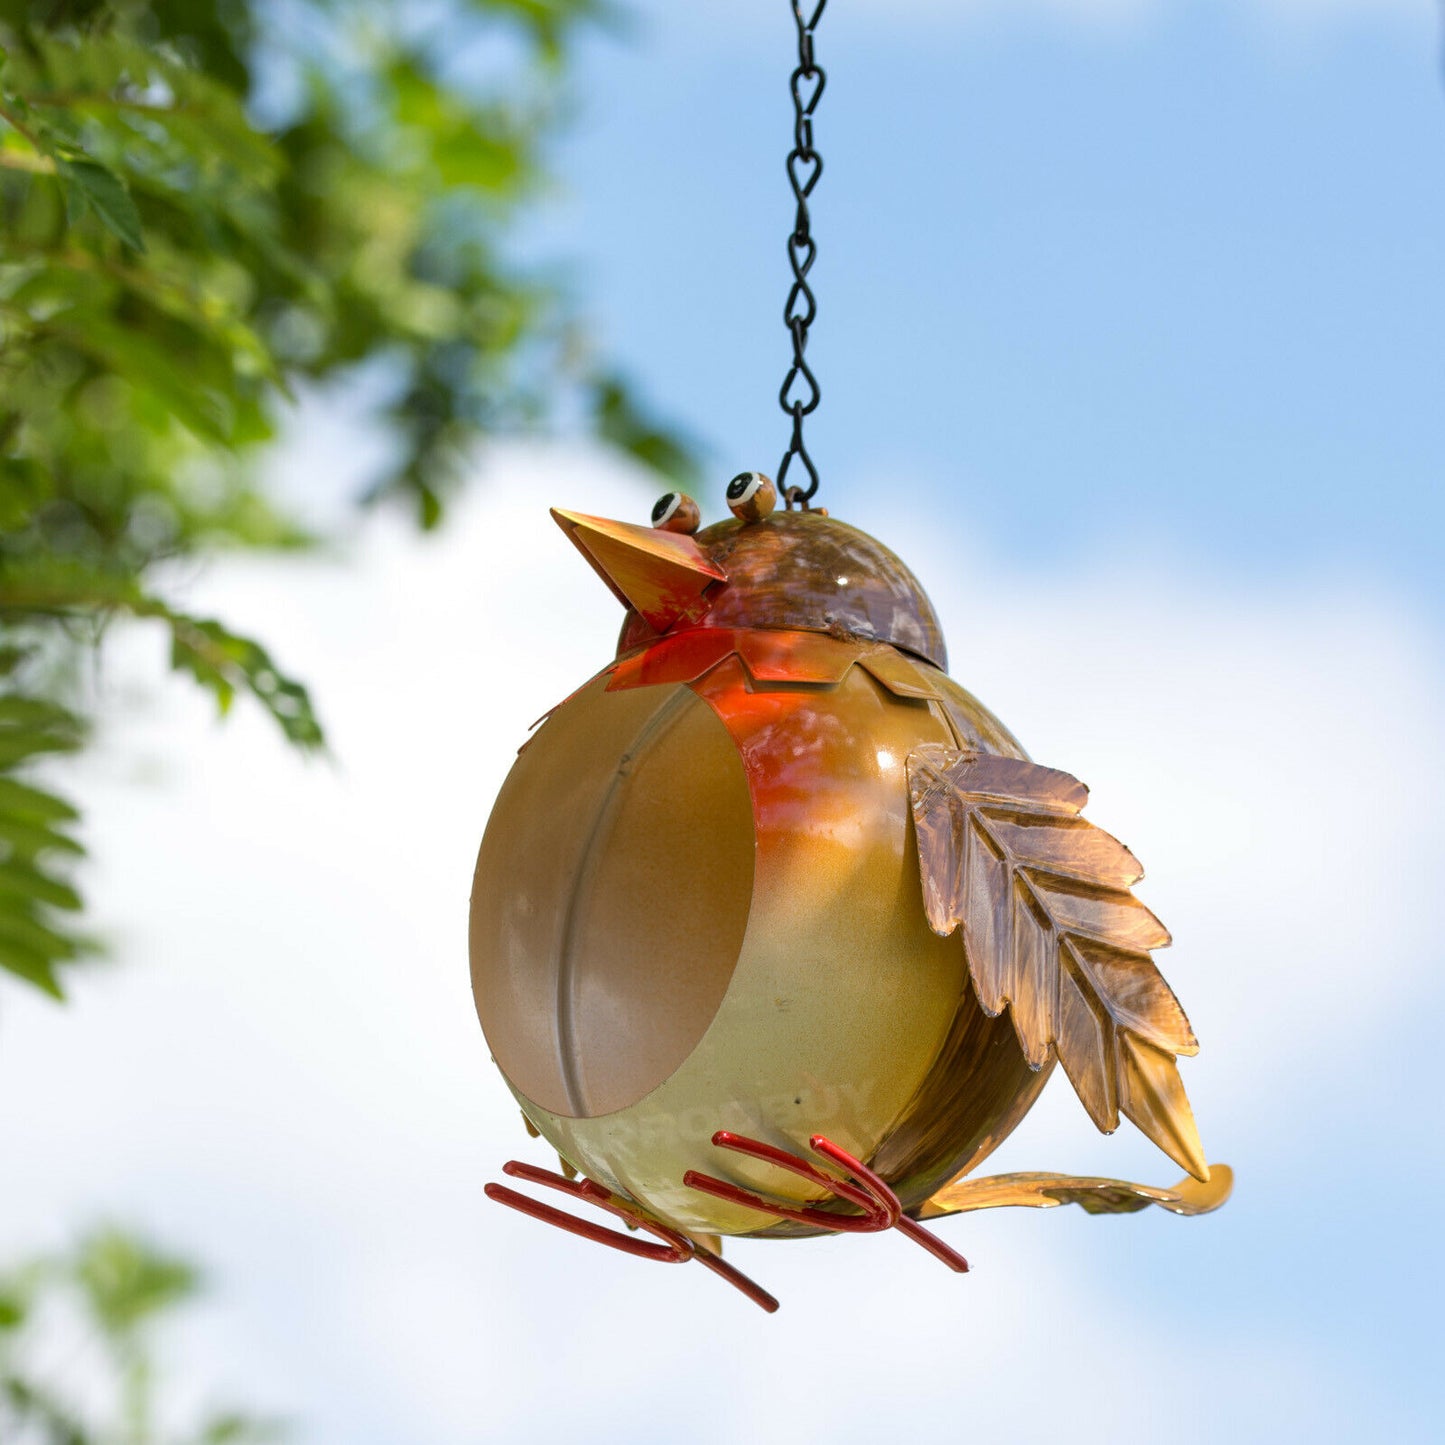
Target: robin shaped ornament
[(777, 931)]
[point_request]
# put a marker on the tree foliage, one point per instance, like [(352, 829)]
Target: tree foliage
[(106, 1297), (205, 205)]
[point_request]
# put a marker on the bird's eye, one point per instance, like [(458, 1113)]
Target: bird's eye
[(751, 496), (676, 512)]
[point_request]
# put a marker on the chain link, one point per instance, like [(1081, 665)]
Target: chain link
[(800, 394)]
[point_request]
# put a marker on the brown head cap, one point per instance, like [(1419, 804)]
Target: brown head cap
[(796, 570)]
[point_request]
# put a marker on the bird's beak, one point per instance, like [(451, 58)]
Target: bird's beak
[(665, 576)]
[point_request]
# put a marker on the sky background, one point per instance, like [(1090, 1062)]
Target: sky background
[(1131, 341)]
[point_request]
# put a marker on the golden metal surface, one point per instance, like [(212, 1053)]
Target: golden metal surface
[(719, 888), (664, 577), (611, 897), (842, 997), (1096, 1196)]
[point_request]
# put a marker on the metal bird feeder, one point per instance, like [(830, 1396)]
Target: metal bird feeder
[(776, 931)]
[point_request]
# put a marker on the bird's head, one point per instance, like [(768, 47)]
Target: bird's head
[(763, 568)]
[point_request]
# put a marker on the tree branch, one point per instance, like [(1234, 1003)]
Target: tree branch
[(18, 161), (110, 102)]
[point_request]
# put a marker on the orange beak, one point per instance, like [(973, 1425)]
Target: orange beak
[(665, 576)]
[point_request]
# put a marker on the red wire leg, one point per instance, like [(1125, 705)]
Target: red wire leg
[(877, 1211), (880, 1205), (674, 1248), (735, 1277)]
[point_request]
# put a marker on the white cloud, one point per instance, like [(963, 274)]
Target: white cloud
[(287, 1075)]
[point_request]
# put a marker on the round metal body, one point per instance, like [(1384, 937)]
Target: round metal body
[(697, 907)]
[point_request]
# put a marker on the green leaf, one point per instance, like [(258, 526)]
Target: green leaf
[(36, 842), (33, 727), (24, 884), (234, 1428), (34, 940), (35, 1405), (621, 420), (150, 368), (23, 486), (22, 839), (127, 1281), (224, 661), (90, 184), (18, 800), (34, 966)]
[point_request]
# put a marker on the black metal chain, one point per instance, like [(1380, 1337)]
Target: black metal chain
[(800, 394)]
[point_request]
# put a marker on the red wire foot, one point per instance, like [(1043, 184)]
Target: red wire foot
[(879, 1205), (673, 1248)]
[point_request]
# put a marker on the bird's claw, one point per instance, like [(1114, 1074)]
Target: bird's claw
[(672, 1247), (879, 1206)]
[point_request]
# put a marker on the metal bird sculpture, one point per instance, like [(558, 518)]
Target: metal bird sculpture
[(776, 931)]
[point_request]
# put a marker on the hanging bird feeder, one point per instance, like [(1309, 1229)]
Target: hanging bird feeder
[(776, 930)]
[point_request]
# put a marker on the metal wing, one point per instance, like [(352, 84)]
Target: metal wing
[(1097, 1196), (1051, 929)]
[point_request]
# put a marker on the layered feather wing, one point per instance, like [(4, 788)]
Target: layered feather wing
[(1051, 930)]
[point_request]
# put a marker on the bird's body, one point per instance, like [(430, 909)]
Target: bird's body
[(731, 923), (721, 886)]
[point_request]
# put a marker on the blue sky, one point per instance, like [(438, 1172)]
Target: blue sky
[(1131, 341), (1140, 276)]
